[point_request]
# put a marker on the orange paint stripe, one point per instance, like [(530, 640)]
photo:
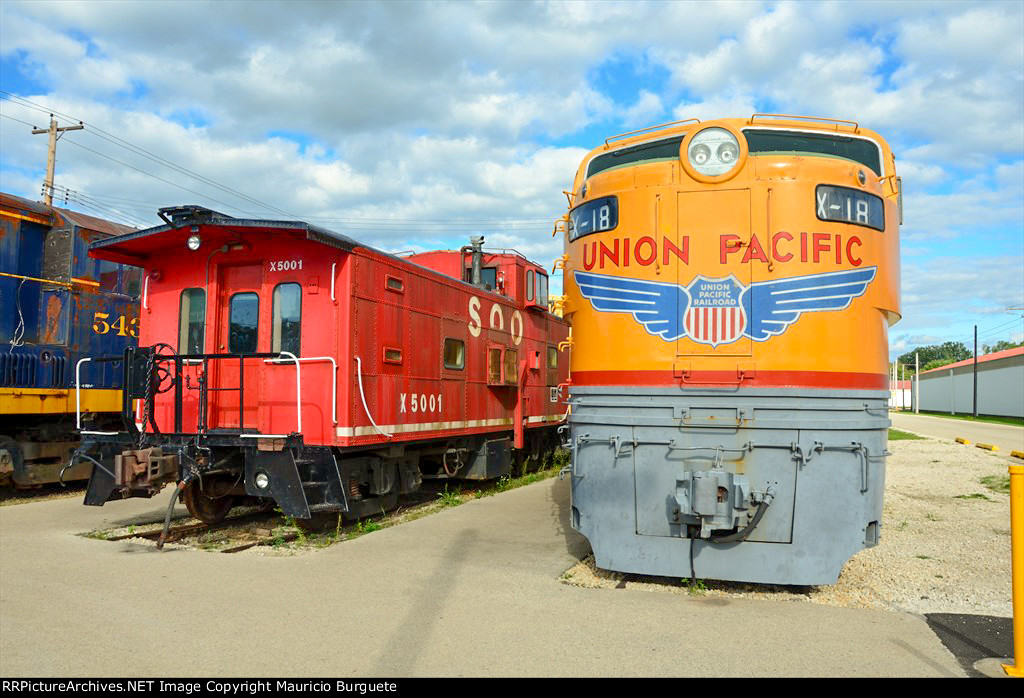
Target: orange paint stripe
[(30, 219)]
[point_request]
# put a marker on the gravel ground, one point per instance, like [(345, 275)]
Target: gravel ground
[(945, 543)]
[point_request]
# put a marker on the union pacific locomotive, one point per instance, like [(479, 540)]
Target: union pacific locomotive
[(56, 306), (730, 285), (285, 362)]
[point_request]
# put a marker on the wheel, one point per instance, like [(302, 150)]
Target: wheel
[(208, 502)]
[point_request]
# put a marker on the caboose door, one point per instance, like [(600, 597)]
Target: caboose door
[(717, 224), (238, 332)]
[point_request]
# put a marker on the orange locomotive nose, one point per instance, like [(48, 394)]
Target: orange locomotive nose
[(730, 310)]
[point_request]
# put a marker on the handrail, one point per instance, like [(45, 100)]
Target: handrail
[(78, 393), (333, 265), (334, 385), (359, 374), (856, 126), (78, 403), (298, 387), (607, 141)]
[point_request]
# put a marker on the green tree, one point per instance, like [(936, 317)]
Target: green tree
[(1001, 345), (947, 353)]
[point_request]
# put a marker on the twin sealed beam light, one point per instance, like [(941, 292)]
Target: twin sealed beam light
[(713, 152)]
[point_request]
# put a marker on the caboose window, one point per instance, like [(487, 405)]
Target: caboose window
[(454, 353), (511, 360), (488, 277), (542, 290), (493, 366), (287, 318), (192, 321), (552, 357), (530, 295), (243, 321)]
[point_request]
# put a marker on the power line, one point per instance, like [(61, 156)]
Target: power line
[(138, 150), (79, 197), (165, 181)]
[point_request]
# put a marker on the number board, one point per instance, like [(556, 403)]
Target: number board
[(847, 205), (595, 216)]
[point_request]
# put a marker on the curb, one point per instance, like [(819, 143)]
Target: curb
[(987, 447), (1017, 454), (962, 441)]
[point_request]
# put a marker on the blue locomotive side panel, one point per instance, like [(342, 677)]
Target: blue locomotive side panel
[(57, 306)]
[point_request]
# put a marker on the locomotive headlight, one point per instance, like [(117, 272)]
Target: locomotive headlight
[(262, 480), (713, 153), (193, 242), (700, 154)]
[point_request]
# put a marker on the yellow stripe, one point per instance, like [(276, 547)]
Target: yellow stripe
[(56, 401), (31, 219)]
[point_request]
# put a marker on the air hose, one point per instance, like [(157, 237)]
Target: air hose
[(170, 509), (749, 528)]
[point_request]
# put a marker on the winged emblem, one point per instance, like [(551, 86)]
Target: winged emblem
[(721, 310)]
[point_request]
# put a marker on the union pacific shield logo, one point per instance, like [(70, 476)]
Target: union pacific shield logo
[(715, 315), (720, 311)]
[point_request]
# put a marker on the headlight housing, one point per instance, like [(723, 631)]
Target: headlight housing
[(713, 153)]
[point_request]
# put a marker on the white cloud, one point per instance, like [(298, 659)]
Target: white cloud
[(447, 111)]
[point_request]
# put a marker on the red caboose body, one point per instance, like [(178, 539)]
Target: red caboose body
[(285, 361)]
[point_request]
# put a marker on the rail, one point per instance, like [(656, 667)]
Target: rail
[(607, 141), (181, 360), (837, 122), (334, 383), (362, 394)]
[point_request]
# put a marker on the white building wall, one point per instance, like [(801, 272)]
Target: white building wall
[(1000, 388)]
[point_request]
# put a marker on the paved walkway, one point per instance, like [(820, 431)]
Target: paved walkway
[(1005, 436), (472, 590)]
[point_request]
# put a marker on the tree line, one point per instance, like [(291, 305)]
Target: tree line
[(936, 355)]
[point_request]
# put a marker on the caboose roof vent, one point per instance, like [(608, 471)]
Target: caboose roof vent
[(179, 216)]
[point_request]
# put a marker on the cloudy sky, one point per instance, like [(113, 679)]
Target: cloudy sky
[(414, 125)]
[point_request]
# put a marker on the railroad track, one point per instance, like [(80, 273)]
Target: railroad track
[(176, 533)]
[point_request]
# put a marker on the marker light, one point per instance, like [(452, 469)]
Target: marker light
[(262, 480), (193, 242), (713, 151)]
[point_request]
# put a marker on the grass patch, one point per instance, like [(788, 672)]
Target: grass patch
[(451, 498), (976, 495), (997, 483), (1013, 421), (899, 435), (695, 587)]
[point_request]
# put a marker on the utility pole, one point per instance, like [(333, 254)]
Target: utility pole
[(917, 383), (975, 371), (51, 158)]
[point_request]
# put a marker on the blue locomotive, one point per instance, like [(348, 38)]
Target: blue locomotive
[(57, 307)]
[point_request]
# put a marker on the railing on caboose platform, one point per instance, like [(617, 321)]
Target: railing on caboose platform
[(141, 370)]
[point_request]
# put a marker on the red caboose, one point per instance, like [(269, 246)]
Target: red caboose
[(284, 361)]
